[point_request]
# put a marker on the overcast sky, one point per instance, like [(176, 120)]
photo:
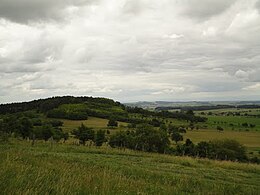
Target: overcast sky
[(130, 50)]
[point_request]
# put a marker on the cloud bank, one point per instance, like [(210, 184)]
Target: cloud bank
[(130, 50)]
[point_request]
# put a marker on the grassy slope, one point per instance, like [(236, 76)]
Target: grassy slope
[(63, 169)]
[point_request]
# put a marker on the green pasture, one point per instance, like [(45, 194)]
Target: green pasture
[(96, 123), (249, 139), (233, 122), (226, 110)]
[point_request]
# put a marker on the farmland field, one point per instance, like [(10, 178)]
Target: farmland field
[(93, 122), (249, 139)]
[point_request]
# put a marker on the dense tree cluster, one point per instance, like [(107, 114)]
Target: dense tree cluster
[(112, 123), (87, 134), (45, 105), (218, 149), (72, 115), (32, 128), (189, 115), (144, 138)]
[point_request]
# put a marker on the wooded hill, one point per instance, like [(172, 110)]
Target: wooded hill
[(79, 108)]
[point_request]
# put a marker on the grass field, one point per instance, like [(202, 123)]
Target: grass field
[(249, 139), (236, 121), (96, 123), (240, 110), (232, 122), (67, 169)]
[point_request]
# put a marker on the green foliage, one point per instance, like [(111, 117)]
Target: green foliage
[(44, 132), (4, 136), (163, 127), (120, 139), (83, 110), (176, 132), (112, 123), (25, 128), (187, 149), (144, 138), (84, 134), (100, 137), (190, 112), (69, 111), (155, 122), (217, 149), (55, 123), (219, 128), (227, 150), (45, 105), (176, 136)]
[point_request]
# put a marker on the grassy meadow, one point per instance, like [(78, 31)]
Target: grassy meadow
[(66, 169), (221, 117), (93, 122), (249, 139)]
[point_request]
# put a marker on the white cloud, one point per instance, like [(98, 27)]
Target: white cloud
[(253, 87), (129, 50), (173, 36), (241, 74)]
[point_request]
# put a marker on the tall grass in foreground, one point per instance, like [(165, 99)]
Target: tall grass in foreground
[(65, 169)]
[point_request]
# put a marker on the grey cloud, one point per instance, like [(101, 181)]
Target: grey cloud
[(204, 9), (257, 4), (22, 68), (24, 11), (133, 7)]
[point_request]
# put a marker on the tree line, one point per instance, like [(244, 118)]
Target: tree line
[(142, 137), (31, 128)]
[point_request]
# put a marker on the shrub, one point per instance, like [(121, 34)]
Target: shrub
[(227, 150), (120, 139), (84, 134), (4, 137), (100, 137), (219, 128), (112, 123)]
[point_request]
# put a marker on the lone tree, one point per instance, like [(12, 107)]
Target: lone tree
[(176, 136), (100, 137), (220, 128), (112, 123), (46, 132), (84, 134), (26, 127)]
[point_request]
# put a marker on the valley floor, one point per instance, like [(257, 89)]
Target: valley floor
[(67, 169)]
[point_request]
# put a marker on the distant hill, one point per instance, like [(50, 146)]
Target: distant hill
[(196, 105), (68, 107), (79, 108)]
